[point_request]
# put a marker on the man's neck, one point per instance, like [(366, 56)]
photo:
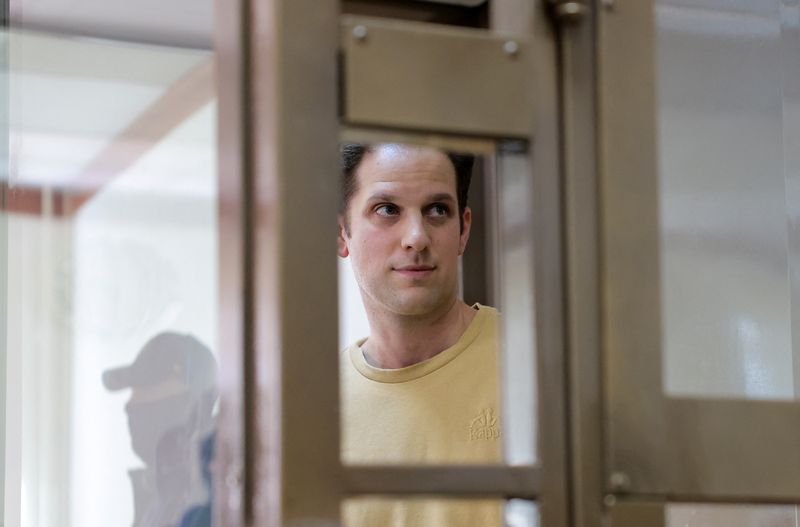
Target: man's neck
[(397, 341)]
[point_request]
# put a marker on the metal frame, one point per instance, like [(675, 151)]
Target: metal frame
[(678, 449), (579, 137), (294, 144), (547, 483), (275, 468), (464, 480), (548, 278)]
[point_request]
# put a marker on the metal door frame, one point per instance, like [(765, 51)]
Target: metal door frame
[(663, 448), (278, 152)]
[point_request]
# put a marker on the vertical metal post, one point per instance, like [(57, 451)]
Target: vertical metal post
[(292, 105), (529, 19), (578, 110)]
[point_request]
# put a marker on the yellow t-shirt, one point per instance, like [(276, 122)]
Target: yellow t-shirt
[(444, 410)]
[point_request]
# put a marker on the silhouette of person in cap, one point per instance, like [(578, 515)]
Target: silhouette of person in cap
[(173, 391)]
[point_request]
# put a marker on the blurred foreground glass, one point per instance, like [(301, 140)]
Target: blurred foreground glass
[(729, 174), (110, 209)]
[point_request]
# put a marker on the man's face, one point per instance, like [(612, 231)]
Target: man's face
[(404, 234)]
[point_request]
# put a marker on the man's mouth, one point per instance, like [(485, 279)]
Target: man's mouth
[(416, 271)]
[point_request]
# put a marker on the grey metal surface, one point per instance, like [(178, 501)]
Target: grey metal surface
[(427, 77)]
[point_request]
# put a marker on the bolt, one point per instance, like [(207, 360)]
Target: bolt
[(570, 11), (360, 32), (619, 482), (608, 4), (511, 48), (609, 500)]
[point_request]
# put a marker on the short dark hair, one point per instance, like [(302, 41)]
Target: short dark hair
[(352, 154)]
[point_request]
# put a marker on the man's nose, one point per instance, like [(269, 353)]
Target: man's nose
[(416, 235)]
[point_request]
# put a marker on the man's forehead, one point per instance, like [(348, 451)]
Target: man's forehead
[(404, 163)]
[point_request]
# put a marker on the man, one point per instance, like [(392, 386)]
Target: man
[(422, 388)]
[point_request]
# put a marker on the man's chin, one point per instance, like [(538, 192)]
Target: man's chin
[(416, 306)]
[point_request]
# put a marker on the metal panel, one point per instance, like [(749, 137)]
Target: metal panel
[(681, 449), (636, 514), (508, 482), (427, 77)]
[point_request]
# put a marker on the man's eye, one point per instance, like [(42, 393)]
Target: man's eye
[(387, 209), (438, 209)]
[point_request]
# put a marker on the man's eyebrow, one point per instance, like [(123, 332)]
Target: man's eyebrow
[(442, 196), (382, 196)]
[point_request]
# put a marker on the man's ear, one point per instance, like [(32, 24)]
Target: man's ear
[(341, 240), (467, 221)]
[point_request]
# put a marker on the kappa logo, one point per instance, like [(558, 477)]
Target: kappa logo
[(485, 426)]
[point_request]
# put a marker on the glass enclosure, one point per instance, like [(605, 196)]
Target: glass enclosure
[(110, 228), (728, 113)]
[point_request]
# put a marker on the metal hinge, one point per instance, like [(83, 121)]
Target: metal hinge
[(569, 11)]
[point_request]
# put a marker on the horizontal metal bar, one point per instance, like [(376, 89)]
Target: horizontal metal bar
[(462, 480), (456, 143)]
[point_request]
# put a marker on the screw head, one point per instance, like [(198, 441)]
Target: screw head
[(619, 482), (511, 48), (360, 32)]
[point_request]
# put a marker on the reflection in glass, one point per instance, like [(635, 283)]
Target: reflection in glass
[(728, 125), (112, 251), (173, 392)]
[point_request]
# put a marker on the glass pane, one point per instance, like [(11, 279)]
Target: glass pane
[(430, 373), (699, 515), (729, 126), (384, 511), (112, 283)]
